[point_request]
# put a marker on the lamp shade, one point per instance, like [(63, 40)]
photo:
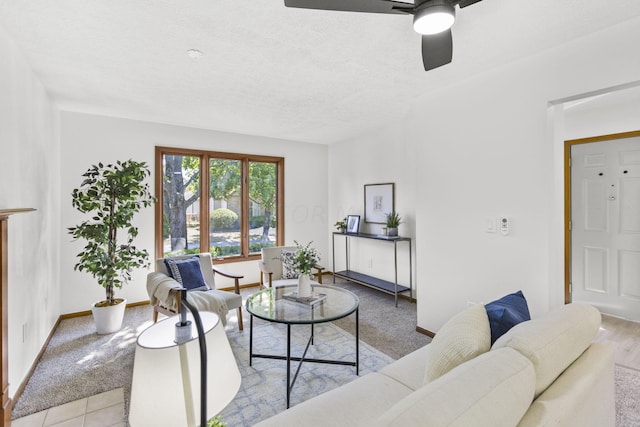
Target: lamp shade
[(434, 17), (165, 389)]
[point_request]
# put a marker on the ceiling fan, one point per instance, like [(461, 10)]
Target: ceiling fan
[(431, 18)]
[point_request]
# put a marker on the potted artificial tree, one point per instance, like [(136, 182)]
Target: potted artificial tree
[(393, 221), (111, 195)]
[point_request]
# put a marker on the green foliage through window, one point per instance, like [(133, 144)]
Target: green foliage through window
[(224, 219)]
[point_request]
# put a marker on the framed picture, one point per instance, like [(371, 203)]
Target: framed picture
[(378, 202), (353, 224)]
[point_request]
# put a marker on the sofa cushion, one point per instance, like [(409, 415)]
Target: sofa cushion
[(505, 313), (358, 403), (409, 369), (587, 383), (554, 341), (494, 389), (187, 272), (463, 337)]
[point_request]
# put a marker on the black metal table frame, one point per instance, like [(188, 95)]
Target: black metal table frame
[(302, 358)]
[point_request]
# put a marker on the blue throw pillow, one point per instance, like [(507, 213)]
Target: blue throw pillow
[(187, 272), (505, 313)]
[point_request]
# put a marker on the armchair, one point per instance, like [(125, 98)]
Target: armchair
[(271, 271), (165, 298)]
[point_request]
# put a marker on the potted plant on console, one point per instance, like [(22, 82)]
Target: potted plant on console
[(111, 195), (393, 221)]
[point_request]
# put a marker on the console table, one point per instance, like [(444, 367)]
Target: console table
[(383, 285)]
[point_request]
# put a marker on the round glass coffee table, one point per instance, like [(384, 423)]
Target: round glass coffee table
[(280, 305)]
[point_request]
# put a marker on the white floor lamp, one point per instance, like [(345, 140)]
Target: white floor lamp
[(182, 384)]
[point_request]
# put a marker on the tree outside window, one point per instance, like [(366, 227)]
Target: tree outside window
[(262, 192), (180, 194)]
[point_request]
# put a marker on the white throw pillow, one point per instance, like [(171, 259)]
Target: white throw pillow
[(465, 336), (494, 389)]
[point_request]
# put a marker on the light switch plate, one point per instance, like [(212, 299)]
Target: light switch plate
[(490, 225)]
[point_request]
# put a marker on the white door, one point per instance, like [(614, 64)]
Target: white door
[(605, 225)]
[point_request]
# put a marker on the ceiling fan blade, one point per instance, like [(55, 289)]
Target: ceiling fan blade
[(371, 6), (465, 3), (437, 50)]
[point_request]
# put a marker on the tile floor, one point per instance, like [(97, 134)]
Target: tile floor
[(102, 410)]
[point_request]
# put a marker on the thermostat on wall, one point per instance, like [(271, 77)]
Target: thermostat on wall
[(504, 225)]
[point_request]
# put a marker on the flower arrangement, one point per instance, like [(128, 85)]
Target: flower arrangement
[(305, 258)]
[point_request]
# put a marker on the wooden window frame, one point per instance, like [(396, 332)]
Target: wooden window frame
[(204, 157)]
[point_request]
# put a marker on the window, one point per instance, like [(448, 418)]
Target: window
[(230, 205)]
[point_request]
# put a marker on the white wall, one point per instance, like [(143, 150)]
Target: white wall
[(623, 116), (29, 171), (88, 139), (384, 156), (489, 149)]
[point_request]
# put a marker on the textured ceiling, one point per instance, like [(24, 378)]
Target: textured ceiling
[(268, 70)]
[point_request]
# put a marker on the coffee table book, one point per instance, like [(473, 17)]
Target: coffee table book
[(315, 298)]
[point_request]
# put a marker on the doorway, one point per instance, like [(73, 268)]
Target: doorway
[(602, 223)]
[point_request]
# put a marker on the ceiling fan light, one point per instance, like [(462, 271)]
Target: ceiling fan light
[(434, 18)]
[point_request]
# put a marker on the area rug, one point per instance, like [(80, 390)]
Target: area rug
[(263, 390)]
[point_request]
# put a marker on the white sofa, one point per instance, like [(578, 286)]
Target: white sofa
[(542, 372)]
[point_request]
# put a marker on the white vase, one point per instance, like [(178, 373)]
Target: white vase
[(304, 285), (108, 319)]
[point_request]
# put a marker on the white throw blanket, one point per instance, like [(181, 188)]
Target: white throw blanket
[(161, 289)]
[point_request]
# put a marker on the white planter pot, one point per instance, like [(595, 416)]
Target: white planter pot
[(108, 319), (304, 285)]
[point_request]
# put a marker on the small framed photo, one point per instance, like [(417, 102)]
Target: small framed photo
[(353, 224), (378, 202)]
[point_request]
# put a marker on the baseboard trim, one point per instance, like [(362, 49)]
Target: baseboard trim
[(425, 332), (88, 312), (34, 365), (408, 298)]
